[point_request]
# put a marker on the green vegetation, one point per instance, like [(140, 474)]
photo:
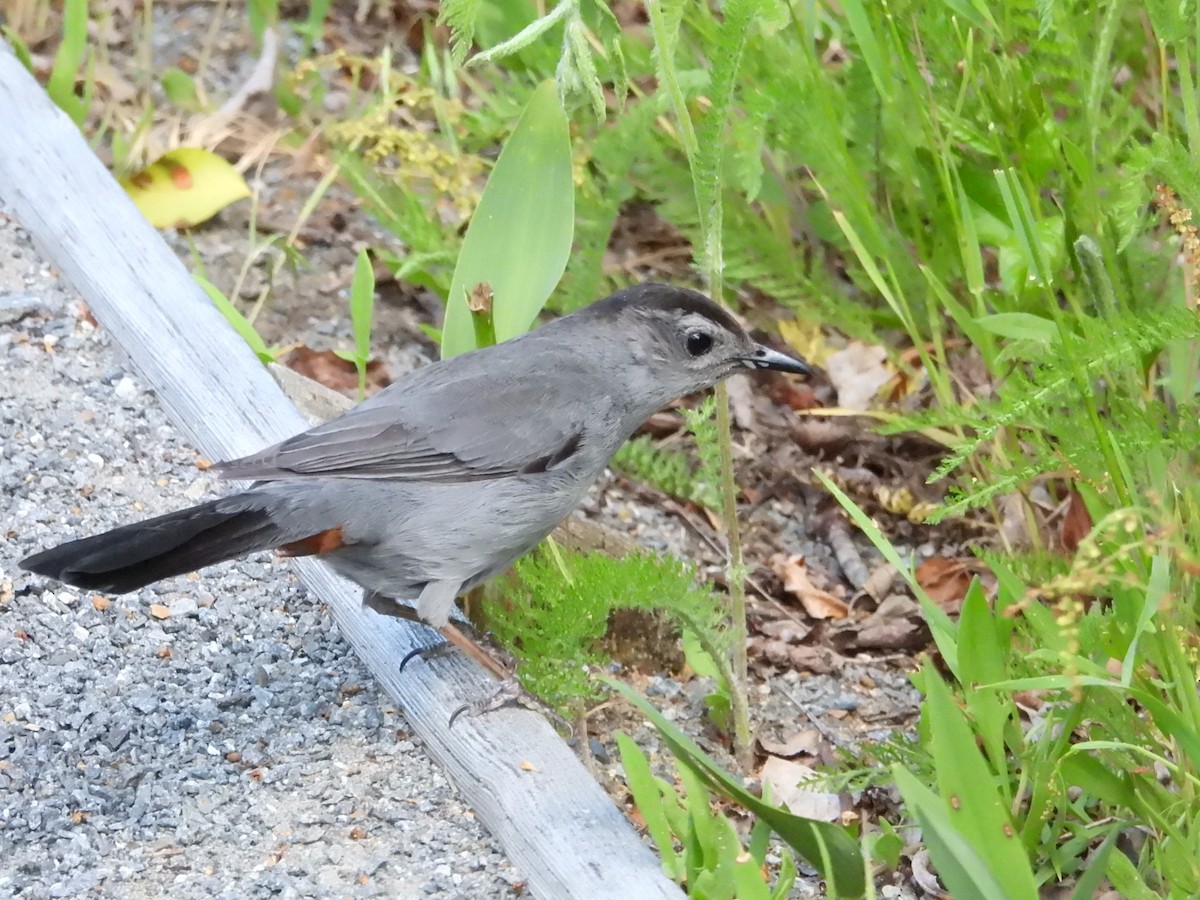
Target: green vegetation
[(1003, 194)]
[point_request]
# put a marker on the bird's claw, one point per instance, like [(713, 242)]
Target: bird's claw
[(430, 651), (507, 692)]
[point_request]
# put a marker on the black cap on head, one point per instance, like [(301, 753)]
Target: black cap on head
[(664, 297)]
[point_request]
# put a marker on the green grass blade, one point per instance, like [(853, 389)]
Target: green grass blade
[(239, 322), (362, 304), (650, 801)]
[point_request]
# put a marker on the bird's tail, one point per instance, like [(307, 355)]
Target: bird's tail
[(132, 556)]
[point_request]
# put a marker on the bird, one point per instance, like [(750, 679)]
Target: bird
[(448, 475)]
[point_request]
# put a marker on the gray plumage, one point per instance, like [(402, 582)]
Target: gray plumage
[(447, 476)]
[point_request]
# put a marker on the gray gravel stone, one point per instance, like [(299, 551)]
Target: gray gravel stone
[(211, 754)]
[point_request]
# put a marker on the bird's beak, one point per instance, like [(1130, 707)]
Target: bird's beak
[(766, 358)]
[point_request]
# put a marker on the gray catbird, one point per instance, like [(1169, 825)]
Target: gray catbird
[(447, 476)]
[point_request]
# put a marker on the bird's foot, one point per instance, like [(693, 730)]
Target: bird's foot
[(431, 651), (454, 634), (508, 693)]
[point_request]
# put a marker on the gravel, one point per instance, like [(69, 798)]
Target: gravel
[(212, 737)]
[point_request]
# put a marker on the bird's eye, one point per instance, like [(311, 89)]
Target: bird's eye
[(699, 343)]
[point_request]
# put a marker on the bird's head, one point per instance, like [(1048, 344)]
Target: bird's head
[(678, 341)]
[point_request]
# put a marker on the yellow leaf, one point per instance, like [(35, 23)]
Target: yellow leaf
[(806, 339), (185, 187)]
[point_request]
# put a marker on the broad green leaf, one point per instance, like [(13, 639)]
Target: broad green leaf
[(185, 187), (982, 650), (520, 236), (827, 847), (1089, 773), (1019, 326), (959, 866), (968, 787), (1125, 878)]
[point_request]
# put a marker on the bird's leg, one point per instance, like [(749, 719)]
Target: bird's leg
[(388, 606), (454, 636), (508, 691)]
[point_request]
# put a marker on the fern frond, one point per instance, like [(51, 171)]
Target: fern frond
[(461, 16)]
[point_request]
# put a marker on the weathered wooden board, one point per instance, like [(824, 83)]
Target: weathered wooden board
[(553, 820)]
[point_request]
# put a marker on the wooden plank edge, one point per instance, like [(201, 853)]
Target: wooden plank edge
[(552, 819)]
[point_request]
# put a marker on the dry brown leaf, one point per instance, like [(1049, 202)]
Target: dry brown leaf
[(783, 780), (789, 393), (880, 581), (806, 741), (818, 603), (784, 630), (857, 373), (1076, 523), (334, 372), (924, 876), (896, 625), (802, 657), (945, 581)]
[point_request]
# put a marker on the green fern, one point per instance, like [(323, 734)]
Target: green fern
[(462, 17), (556, 614), (668, 470), (1040, 402)]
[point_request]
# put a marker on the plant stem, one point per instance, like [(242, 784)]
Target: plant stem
[(710, 208)]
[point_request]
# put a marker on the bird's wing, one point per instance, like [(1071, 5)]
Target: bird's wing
[(447, 426)]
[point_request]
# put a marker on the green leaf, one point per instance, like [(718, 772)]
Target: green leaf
[(648, 795), (180, 88), (362, 303), (19, 47), (1019, 326), (982, 652), (869, 47), (461, 16), (68, 61), (185, 187), (1088, 884), (968, 787), (526, 35), (520, 236), (827, 847), (1125, 878), (1079, 769), (959, 866)]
